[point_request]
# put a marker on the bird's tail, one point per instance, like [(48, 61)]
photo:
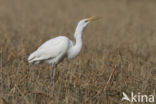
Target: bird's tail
[(32, 57)]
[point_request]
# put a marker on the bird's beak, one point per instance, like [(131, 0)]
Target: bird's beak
[(93, 18)]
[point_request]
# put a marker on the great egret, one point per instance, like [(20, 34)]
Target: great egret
[(56, 49)]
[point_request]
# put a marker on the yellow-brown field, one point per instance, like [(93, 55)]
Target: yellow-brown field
[(118, 55)]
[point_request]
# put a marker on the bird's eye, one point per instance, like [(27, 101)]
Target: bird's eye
[(86, 20)]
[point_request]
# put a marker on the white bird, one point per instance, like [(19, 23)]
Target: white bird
[(56, 49)]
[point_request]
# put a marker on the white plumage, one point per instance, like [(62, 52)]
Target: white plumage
[(51, 51), (54, 50)]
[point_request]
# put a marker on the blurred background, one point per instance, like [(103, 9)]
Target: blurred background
[(118, 54)]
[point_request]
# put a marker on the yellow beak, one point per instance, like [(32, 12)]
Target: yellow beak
[(93, 18)]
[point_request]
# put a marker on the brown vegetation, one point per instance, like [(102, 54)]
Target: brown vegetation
[(119, 51)]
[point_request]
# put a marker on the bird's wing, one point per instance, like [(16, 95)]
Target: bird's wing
[(50, 49), (52, 42)]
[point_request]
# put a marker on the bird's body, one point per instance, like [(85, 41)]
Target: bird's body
[(52, 51), (56, 49)]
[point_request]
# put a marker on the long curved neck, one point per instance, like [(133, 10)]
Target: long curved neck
[(76, 48), (78, 38)]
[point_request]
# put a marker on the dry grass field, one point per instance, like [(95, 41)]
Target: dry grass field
[(118, 54)]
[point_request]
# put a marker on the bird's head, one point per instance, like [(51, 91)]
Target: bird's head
[(83, 24)]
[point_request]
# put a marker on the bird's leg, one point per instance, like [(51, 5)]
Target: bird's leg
[(52, 74), (54, 70)]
